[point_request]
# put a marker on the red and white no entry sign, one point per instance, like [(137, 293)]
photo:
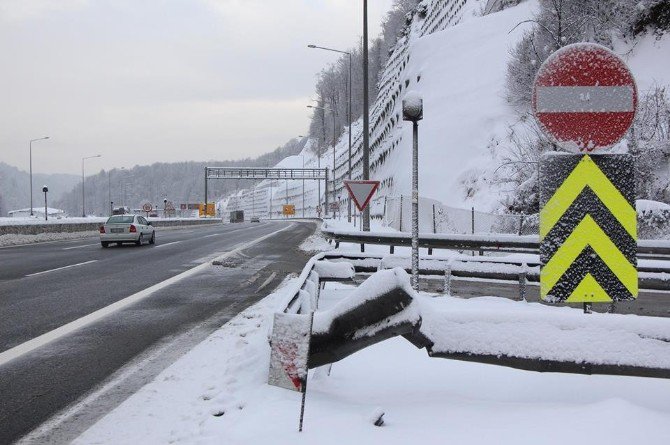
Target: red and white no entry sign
[(585, 97)]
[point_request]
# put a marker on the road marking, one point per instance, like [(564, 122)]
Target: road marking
[(80, 247), (266, 282), (66, 329), (167, 244), (61, 268), (213, 234)]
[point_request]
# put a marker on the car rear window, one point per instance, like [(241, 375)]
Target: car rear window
[(120, 219)]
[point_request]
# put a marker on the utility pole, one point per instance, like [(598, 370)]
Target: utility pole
[(366, 118), (31, 170)]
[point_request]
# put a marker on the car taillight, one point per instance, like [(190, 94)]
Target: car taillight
[(133, 229), (102, 229)]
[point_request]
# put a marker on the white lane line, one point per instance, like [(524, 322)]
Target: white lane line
[(66, 329), (80, 247), (61, 268), (167, 244), (213, 234)]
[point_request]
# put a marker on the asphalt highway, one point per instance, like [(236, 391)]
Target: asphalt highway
[(44, 287)]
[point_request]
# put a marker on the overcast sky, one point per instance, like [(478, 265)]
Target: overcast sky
[(141, 81)]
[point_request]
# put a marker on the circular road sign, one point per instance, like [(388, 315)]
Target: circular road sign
[(584, 97), (147, 207)]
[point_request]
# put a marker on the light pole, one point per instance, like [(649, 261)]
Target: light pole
[(303, 181), (366, 118), (83, 182), (349, 172), (333, 113), (412, 110), (31, 170)]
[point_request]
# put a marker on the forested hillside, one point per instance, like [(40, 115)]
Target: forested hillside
[(181, 182)]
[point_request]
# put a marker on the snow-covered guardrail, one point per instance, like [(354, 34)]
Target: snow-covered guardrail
[(481, 243), (61, 226)]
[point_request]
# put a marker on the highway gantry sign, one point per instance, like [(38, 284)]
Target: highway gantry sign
[(588, 228), (584, 97), (361, 192)]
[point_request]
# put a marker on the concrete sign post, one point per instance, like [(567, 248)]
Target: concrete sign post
[(585, 99)]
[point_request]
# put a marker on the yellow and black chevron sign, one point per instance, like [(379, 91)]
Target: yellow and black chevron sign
[(588, 228)]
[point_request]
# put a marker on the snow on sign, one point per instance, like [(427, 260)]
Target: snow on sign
[(588, 228), (584, 97), (361, 192), (289, 351)]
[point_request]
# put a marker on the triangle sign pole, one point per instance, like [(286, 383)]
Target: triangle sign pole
[(361, 192)]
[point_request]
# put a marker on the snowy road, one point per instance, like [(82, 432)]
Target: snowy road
[(49, 286)]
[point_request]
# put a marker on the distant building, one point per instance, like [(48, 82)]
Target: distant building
[(38, 212)]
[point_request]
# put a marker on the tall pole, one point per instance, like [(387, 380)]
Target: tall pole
[(366, 119), (415, 205), (334, 142), (350, 95), (31, 170), (349, 131), (303, 186), (83, 183), (109, 190), (205, 208)]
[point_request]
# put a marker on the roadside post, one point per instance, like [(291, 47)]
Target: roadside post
[(412, 110), (584, 98), (45, 189)]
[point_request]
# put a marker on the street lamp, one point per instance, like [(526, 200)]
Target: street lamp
[(349, 54), (366, 117), (323, 109), (83, 182), (412, 110), (303, 181), (31, 170)]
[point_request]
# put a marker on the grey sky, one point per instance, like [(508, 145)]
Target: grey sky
[(142, 81)]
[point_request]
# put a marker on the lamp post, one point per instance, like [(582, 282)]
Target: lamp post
[(83, 182), (323, 109), (349, 106), (366, 118), (412, 110), (303, 181), (31, 170)]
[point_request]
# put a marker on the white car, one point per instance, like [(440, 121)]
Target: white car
[(127, 229)]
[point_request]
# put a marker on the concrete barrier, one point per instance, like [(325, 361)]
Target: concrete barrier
[(64, 227)]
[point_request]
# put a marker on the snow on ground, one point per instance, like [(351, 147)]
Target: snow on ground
[(16, 240), (30, 221), (218, 392)]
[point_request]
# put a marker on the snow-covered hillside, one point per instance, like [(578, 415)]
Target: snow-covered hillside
[(457, 60)]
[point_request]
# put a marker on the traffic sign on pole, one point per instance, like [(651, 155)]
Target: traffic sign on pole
[(584, 97), (361, 192)]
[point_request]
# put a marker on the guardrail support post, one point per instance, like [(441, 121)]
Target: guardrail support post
[(362, 247), (447, 279), (522, 284), (392, 249)]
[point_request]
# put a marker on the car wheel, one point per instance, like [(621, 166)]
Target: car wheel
[(104, 244), (140, 240), (152, 240)]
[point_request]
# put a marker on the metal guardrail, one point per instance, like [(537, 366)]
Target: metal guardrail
[(481, 243)]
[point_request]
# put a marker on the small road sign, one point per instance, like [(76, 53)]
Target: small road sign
[(588, 228), (584, 97), (147, 207), (288, 209), (361, 192)]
